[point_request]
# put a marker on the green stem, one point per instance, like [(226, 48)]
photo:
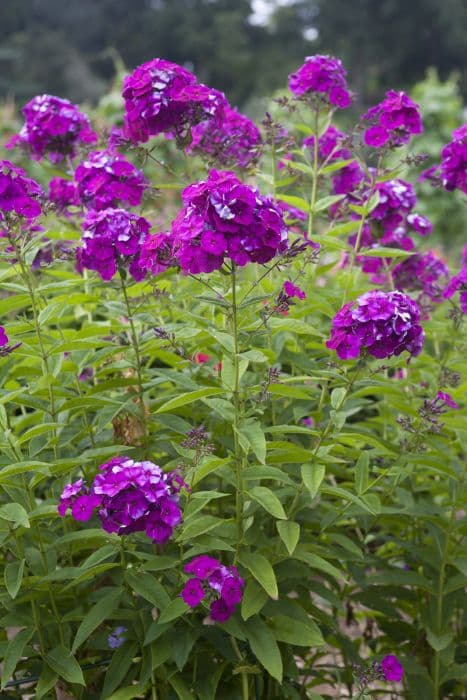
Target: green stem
[(243, 674), (139, 368), (314, 187), (238, 452)]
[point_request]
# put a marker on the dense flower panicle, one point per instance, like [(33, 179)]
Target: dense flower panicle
[(392, 668), (394, 120), (63, 194), (19, 194), (107, 179), (3, 337), (113, 238), (324, 75), (423, 272), (230, 138), (458, 283), (223, 218), (221, 585), (382, 323), (53, 126), (161, 96), (453, 169), (130, 497)]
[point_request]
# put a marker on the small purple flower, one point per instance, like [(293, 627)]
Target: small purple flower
[(161, 96), (3, 337), (446, 399), (382, 323), (291, 290), (453, 169), (394, 120), (63, 194), (157, 253), (116, 638), (456, 283), (105, 179), (308, 421), (220, 611), (193, 592), (53, 127), (113, 238), (392, 668), (83, 506), (324, 75)]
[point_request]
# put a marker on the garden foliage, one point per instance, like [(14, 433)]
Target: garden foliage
[(232, 399)]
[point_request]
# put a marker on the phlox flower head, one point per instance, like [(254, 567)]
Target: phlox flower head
[(381, 323), (19, 194), (392, 668), (112, 238), (221, 585), (53, 127), (161, 96), (453, 169), (223, 218), (230, 138), (394, 120), (324, 75), (107, 179), (129, 497)]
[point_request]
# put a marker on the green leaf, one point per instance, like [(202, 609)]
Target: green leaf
[(176, 608), (190, 397), (129, 693), (292, 631), (252, 434), (268, 500), (15, 513), (313, 475), (296, 202), (148, 588), (317, 562), (119, 666), (337, 397), (289, 533), (63, 663), (13, 653), (362, 472), (14, 576), (208, 466), (438, 642), (98, 613), (264, 647), (198, 526), (47, 680), (262, 570), (326, 202), (336, 165), (254, 598)]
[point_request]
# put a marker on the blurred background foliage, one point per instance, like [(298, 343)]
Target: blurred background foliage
[(243, 47)]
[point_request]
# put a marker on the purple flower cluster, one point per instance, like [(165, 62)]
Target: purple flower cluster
[(452, 172), (221, 584), (330, 148), (382, 323), (324, 75), (113, 237), (53, 126), (230, 138), (19, 194), (222, 218), (423, 272), (392, 668), (161, 96), (106, 179), (130, 497), (393, 121), (63, 194)]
